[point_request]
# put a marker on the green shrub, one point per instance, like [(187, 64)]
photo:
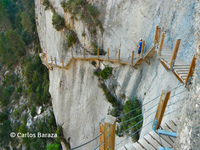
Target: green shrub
[(54, 146), (46, 4), (83, 34), (71, 39), (105, 73), (127, 107), (93, 11), (58, 22), (33, 111)]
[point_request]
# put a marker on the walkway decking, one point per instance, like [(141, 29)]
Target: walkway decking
[(151, 141)]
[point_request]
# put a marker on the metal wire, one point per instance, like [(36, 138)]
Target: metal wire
[(91, 140), (147, 102), (137, 123), (134, 133), (102, 142)]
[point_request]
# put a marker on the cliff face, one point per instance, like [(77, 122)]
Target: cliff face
[(78, 103)]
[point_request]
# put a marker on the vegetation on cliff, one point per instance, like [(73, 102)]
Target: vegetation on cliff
[(24, 79)]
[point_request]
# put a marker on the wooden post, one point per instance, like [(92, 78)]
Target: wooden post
[(161, 44), (84, 54), (98, 53), (51, 59), (101, 138), (155, 36), (161, 108), (143, 45), (158, 36), (108, 54), (109, 135), (62, 63), (132, 58), (55, 61), (71, 53), (118, 55), (175, 53), (190, 71)]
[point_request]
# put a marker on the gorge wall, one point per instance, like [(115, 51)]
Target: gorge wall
[(78, 102)]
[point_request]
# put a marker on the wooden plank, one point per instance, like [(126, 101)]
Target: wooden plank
[(95, 58), (171, 126), (152, 53), (98, 53), (132, 56), (110, 132), (122, 148), (55, 61), (164, 65), (161, 107), (137, 146), (191, 70), (145, 144), (177, 76), (175, 53), (165, 127), (158, 35), (78, 58), (146, 61), (129, 147), (84, 54), (108, 54), (71, 53), (156, 137), (143, 45), (62, 63), (118, 56), (151, 141), (102, 137), (155, 36), (68, 62), (161, 44)]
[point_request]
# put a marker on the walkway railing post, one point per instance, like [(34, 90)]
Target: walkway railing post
[(118, 56), (62, 63), (190, 71), (132, 58), (155, 36), (84, 54), (107, 140), (161, 44), (172, 62), (55, 61), (98, 53), (161, 109), (72, 53), (143, 45), (108, 54)]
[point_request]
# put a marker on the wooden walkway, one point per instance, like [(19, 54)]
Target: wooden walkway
[(168, 58), (151, 141)]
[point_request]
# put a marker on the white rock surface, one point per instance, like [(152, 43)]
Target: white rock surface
[(78, 102)]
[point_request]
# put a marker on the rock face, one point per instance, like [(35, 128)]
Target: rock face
[(78, 103)]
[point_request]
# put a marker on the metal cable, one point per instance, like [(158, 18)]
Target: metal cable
[(137, 123), (147, 103), (134, 133), (91, 140), (102, 142), (139, 114)]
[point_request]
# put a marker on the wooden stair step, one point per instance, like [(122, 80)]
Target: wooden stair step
[(172, 126), (156, 137), (152, 141), (137, 146), (165, 127), (145, 144), (129, 146)]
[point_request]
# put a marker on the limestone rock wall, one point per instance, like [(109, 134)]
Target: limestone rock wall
[(78, 103)]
